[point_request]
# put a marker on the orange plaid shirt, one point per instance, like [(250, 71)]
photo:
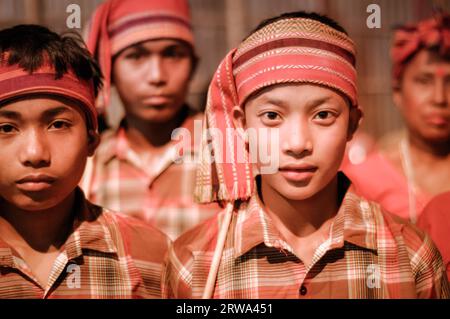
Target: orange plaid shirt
[(369, 254), (107, 255), (160, 194)]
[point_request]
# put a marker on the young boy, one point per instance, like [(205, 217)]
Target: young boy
[(146, 50), (53, 242), (299, 232)]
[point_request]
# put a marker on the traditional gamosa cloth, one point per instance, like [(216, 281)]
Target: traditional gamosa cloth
[(377, 178), (368, 254), (106, 255), (118, 177)]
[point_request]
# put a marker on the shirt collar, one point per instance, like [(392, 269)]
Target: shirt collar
[(115, 143), (354, 223), (90, 231)]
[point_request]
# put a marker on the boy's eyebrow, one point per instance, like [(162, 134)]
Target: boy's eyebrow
[(10, 114), (281, 103), (56, 111), (315, 103)]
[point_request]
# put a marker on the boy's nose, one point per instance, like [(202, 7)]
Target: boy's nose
[(156, 73), (35, 151), (297, 140)]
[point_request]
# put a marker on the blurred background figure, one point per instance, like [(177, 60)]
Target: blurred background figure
[(411, 166), (435, 220)]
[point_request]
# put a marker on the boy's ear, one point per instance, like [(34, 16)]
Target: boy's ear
[(355, 119), (238, 117), (93, 141)]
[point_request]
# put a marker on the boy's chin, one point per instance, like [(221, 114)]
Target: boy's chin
[(298, 193), (35, 202)]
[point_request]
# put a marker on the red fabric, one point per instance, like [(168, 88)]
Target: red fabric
[(408, 40), (117, 24), (378, 180), (435, 220), (15, 82)]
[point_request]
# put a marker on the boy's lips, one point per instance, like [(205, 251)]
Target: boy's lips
[(156, 99), (35, 182), (298, 172)]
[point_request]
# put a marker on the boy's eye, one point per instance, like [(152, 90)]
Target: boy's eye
[(7, 129), (133, 56), (175, 53), (270, 118), (58, 125), (271, 115), (324, 117)]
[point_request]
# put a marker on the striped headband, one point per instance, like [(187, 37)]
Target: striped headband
[(291, 50), (427, 34), (16, 82), (118, 24)]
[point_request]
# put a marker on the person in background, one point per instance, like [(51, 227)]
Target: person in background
[(407, 169), (435, 220), (146, 50)]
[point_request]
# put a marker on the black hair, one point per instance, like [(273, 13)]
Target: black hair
[(29, 45), (302, 14)]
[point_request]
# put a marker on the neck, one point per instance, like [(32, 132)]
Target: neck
[(301, 217), (427, 151), (43, 231), (145, 135)]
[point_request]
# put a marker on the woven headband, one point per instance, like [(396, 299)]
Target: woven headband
[(118, 24), (16, 82)]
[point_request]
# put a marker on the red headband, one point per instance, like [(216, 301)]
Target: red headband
[(408, 40), (296, 50), (16, 82)]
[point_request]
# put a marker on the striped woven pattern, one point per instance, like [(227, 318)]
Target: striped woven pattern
[(294, 50), (117, 24), (369, 254), (16, 82)]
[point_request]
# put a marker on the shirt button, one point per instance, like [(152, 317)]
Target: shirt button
[(303, 290)]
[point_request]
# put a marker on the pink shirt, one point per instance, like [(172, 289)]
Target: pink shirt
[(378, 180), (435, 220)]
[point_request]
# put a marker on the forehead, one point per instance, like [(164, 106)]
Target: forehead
[(157, 45), (28, 107), (296, 94), (427, 60)]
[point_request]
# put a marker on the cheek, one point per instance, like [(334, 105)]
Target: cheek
[(179, 74), (71, 162), (330, 143)]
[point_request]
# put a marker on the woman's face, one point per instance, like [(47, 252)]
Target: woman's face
[(423, 97)]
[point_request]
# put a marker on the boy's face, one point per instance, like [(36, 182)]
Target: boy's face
[(424, 97), (44, 145), (152, 79), (313, 125)]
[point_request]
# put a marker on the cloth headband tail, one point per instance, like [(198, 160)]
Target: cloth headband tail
[(225, 174), (98, 43)]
